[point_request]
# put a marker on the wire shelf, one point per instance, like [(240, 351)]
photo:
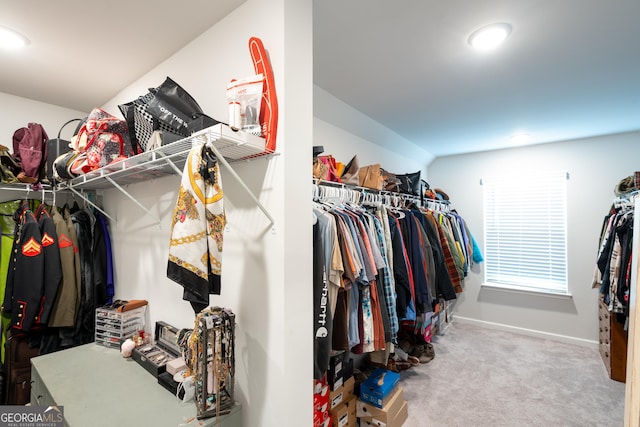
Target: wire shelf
[(228, 145), (169, 159)]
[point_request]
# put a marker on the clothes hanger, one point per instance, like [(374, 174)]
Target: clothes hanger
[(396, 206), (316, 192)]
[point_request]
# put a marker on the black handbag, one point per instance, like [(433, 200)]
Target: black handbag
[(173, 106), (140, 123), (409, 183), (168, 108)]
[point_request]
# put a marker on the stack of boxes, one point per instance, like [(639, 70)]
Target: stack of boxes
[(381, 401), (339, 408), (342, 401), (321, 416)]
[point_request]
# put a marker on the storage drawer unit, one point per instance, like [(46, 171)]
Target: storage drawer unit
[(113, 327), (613, 343)]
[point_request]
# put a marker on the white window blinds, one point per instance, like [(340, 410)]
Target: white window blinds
[(525, 232)]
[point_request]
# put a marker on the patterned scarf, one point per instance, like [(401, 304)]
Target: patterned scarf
[(197, 228)]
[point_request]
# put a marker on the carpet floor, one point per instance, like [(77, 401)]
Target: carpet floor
[(487, 377)]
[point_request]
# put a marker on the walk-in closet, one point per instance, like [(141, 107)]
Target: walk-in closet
[(327, 299)]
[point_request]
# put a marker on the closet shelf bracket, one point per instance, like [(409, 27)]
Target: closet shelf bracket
[(233, 173), (133, 199), (93, 205)]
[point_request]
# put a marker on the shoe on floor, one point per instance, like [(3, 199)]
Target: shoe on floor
[(428, 354)]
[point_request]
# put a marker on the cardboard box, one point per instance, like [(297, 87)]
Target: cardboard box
[(321, 399), (321, 419), (176, 365), (378, 386), (342, 394), (344, 415), (340, 370), (396, 421), (388, 412), (334, 377)]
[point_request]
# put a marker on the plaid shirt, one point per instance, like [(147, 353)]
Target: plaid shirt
[(448, 257), (389, 286)]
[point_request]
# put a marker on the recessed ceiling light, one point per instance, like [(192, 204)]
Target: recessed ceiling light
[(12, 40), (489, 37), (520, 138)]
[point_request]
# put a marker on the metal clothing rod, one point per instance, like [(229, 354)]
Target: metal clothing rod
[(24, 187), (226, 164), (126, 193), (370, 194), (76, 192)]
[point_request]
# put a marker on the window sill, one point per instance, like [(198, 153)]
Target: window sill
[(513, 289)]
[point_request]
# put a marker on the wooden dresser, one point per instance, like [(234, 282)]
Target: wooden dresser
[(613, 343)]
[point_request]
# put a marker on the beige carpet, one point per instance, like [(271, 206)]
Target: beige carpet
[(486, 377)]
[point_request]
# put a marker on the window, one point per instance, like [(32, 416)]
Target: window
[(525, 226)]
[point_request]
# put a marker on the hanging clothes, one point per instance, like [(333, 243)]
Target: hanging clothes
[(25, 277), (443, 283), (388, 282), (322, 323), (81, 244), (333, 263), (85, 320), (7, 227), (106, 267), (413, 245), (401, 272), (63, 311), (449, 261), (389, 267), (612, 274), (52, 265)]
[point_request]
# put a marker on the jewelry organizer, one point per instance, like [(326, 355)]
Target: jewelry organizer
[(154, 357), (213, 361)]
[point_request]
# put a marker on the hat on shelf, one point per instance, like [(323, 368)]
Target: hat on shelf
[(441, 195), (626, 185)]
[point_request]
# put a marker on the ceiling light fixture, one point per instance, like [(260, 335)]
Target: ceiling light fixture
[(489, 37), (12, 40), (520, 138)]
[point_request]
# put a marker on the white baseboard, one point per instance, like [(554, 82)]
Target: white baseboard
[(530, 332)]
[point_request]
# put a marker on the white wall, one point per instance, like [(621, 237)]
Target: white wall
[(18, 112), (595, 166), (266, 274), (344, 131)]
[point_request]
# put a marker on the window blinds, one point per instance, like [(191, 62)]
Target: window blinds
[(525, 232)]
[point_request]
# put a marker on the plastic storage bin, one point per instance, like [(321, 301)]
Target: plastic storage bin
[(113, 327)]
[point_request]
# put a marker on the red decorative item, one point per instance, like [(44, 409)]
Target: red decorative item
[(269, 106)]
